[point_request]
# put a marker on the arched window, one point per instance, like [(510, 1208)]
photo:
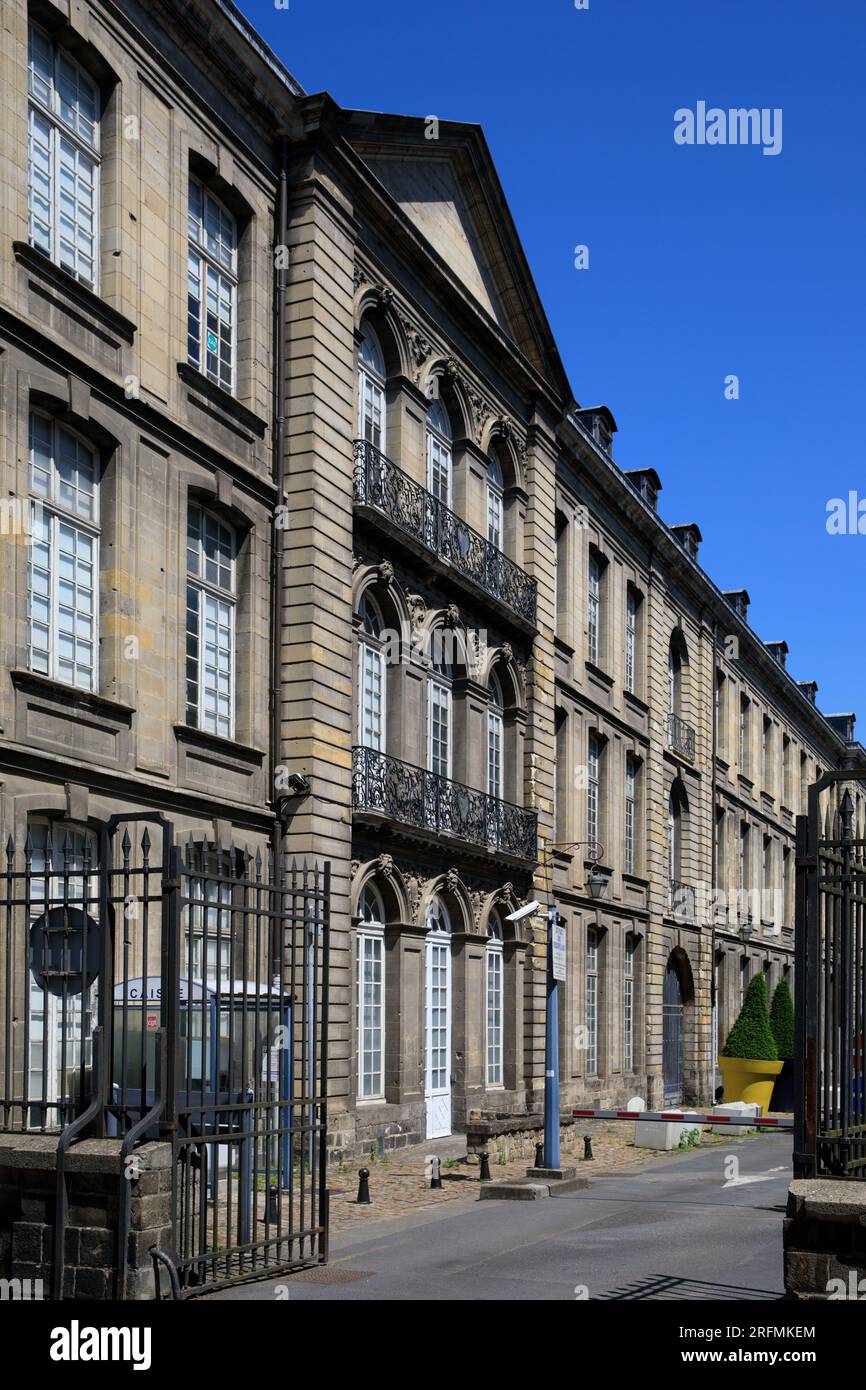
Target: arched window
[(63, 180), (495, 771), (63, 569), (439, 720), (371, 677), (493, 963), (677, 660), (371, 389), (673, 837), (370, 993), (439, 452), (673, 677), (495, 492)]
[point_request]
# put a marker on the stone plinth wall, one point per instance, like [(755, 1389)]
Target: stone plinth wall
[(825, 1239), (93, 1184), (512, 1138)]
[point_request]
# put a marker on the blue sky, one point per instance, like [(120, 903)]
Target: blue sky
[(704, 261)]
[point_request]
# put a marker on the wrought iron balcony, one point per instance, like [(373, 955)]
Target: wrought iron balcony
[(681, 902), (417, 514), (681, 737), (410, 795)]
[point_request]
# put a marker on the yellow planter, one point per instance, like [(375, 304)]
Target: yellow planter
[(748, 1079)]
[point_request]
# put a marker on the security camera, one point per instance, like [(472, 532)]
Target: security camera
[(528, 910)]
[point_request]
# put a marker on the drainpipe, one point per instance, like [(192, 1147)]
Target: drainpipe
[(714, 1003), (277, 530)]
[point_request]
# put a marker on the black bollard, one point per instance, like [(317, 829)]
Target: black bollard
[(363, 1197), (484, 1175), (274, 1203), (539, 1154), (587, 1146), (435, 1173)]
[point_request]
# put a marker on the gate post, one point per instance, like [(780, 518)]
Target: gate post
[(805, 996)]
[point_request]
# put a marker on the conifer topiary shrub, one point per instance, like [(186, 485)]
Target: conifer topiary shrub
[(782, 1021), (751, 1035)]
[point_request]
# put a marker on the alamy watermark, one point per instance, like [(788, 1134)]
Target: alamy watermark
[(712, 125)]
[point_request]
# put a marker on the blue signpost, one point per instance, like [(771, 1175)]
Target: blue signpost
[(551, 1051)]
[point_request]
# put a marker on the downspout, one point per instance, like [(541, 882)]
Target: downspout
[(714, 867), (278, 528)]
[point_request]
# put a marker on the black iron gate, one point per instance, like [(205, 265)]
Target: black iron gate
[(672, 1036), (830, 1106), (151, 992)]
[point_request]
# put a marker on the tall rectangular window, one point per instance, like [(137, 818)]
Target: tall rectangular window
[(63, 568), (440, 729), (630, 852), (494, 1013), (721, 849), (591, 1001), (63, 170), (592, 787), (745, 736), (630, 639), (212, 287), (722, 714), (787, 773), (767, 770), (372, 711), (370, 1005), (628, 1005), (744, 868), (593, 615), (210, 623)]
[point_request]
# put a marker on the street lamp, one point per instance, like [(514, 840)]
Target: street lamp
[(596, 883)]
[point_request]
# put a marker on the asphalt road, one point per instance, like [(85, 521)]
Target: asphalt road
[(678, 1229)]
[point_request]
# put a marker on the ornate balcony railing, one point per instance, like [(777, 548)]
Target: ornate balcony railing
[(380, 484), (681, 901), (413, 796), (681, 737)]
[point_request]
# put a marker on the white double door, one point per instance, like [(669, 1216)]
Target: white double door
[(438, 1034)]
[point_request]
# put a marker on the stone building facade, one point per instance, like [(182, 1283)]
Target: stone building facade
[(326, 558)]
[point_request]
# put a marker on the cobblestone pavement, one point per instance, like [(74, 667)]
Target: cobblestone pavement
[(400, 1183)]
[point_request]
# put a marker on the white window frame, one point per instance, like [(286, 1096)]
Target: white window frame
[(495, 742), (631, 606), (212, 267), (495, 505), (209, 590), (51, 513), (593, 782), (630, 829), (371, 657), (439, 460), (494, 1016), (371, 390), (370, 950), (593, 608), (440, 691), (47, 107)]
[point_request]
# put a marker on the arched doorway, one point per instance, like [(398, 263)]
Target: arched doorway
[(672, 1035), (438, 1022)]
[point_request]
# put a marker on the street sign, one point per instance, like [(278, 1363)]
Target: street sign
[(557, 952)]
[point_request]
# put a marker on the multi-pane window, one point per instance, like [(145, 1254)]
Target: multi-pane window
[(371, 389), (767, 778), (721, 849), (787, 772), (210, 623), (743, 867), (673, 838), (630, 639), (593, 759), (63, 172), (494, 738), (722, 713), (593, 614), (212, 287), (628, 1004), (493, 957), (672, 681), (370, 994), (63, 569), (371, 678), (591, 1001), (767, 911), (207, 955), (439, 710), (494, 503), (439, 452), (438, 997), (786, 888), (630, 854)]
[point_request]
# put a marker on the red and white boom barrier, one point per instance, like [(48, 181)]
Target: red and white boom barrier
[(686, 1117)]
